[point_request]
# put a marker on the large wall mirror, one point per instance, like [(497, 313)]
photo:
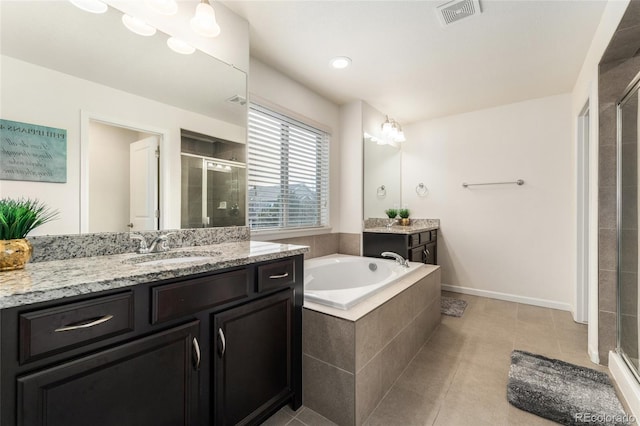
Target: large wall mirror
[(381, 178), (125, 101)]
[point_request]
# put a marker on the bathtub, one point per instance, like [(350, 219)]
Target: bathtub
[(341, 281)]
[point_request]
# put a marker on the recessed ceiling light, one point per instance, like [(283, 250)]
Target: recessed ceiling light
[(93, 6), (138, 26), (340, 62), (180, 46)]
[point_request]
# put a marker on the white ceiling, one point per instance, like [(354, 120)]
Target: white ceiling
[(407, 65)]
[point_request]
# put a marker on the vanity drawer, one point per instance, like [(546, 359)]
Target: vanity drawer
[(414, 240), (276, 275), (61, 328), (425, 237), (175, 300)]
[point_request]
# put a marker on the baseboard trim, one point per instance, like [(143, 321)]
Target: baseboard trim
[(508, 297), (627, 383)]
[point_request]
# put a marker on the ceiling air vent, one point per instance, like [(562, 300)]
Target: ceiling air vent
[(237, 99), (457, 10)]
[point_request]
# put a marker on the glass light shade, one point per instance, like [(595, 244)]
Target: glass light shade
[(400, 137), (180, 46), (163, 7), (340, 62), (386, 127), (204, 21), (138, 26), (93, 6)]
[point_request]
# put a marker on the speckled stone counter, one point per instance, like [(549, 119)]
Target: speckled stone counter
[(417, 225), (56, 279)]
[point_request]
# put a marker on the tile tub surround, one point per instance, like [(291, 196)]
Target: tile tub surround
[(56, 279), (352, 358), (417, 225), (60, 247), (324, 244)]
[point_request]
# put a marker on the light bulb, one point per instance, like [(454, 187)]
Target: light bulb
[(180, 46), (340, 62), (138, 26), (93, 6), (204, 21)]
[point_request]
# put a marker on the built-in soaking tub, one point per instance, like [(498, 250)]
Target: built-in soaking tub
[(363, 321), (342, 281)]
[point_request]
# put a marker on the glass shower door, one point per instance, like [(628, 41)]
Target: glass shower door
[(628, 229)]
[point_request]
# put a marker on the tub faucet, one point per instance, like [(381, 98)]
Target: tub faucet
[(399, 259)]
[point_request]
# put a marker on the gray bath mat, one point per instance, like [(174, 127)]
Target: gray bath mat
[(563, 392), (452, 306)]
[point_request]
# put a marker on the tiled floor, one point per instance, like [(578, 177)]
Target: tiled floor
[(460, 375)]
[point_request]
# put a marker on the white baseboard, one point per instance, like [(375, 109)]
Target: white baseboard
[(626, 382), (509, 297)]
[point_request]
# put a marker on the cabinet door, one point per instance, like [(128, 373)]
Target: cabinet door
[(430, 253), (253, 358), (150, 381)]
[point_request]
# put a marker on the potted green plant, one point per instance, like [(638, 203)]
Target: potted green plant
[(17, 219), (391, 213), (404, 217)]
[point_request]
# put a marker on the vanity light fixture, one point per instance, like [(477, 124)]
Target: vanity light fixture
[(163, 7), (137, 26), (340, 62), (204, 21), (93, 6), (180, 46), (392, 130)]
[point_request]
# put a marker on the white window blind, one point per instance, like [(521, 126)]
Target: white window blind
[(288, 172)]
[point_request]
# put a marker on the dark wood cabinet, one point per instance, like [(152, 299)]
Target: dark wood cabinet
[(215, 348), (253, 358), (417, 246), (149, 381)]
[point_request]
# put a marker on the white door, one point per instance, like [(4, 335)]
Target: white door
[(143, 184)]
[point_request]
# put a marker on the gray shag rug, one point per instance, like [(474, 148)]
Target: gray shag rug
[(565, 393), (452, 306)]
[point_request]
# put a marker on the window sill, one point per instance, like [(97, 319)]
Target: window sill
[(288, 233)]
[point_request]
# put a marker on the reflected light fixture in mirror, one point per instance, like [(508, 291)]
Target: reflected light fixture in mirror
[(138, 26), (163, 7), (180, 46), (204, 21), (93, 6)]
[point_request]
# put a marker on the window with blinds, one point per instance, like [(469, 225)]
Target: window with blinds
[(288, 172)]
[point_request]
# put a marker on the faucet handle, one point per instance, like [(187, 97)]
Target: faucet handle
[(142, 248)]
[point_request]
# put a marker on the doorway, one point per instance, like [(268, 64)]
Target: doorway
[(120, 177)]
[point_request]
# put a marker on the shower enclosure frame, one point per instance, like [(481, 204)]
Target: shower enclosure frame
[(633, 89)]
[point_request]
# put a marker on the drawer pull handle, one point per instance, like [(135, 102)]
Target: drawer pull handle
[(91, 323), (224, 342), (196, 350), (277, 277)]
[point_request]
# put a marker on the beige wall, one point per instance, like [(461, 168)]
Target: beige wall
[(511, 242)]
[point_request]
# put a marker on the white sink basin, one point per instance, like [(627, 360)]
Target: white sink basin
[(172, 258)]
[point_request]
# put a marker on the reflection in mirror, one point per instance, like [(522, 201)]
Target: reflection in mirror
[(381, 168), (214, 179), (123, 183), (92, 66)]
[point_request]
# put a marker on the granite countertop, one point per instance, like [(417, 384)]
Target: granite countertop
[(43, 281), (378, 225), (397, 229)]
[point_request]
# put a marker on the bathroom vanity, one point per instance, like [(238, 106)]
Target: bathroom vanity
[(417, 243), (112, 340)]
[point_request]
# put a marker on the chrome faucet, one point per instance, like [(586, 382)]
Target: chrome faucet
[(158, 245), (399, 259)]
